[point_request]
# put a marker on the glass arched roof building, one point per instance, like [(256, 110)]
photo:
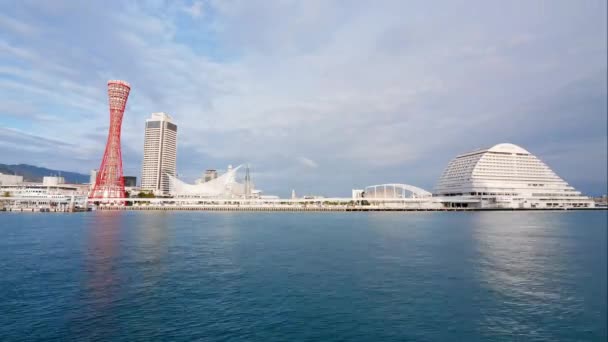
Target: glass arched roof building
[(395, 191), (507, 175)]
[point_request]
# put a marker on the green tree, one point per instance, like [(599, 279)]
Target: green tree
[(146, 195)]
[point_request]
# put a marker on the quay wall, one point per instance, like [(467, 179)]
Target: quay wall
[(289, 208), (266, 208), (312, 209), (41, 210)]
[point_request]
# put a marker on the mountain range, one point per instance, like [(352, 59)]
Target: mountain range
[(33, 173)]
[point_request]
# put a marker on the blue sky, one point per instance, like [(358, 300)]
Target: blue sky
[(318, 96)]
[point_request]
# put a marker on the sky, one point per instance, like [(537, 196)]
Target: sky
[(319, 96)]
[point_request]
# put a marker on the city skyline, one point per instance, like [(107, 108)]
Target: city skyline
[(316, 97)]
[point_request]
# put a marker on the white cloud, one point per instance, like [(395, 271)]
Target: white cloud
[(308, 162), (14, 25), (195, 10)]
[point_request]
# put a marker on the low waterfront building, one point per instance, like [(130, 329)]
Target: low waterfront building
[(505, 176), (39, 195), (52, 180), (130, 181), (395, 196), (210, 175), (601, 201), (40, 189), (10, 179), (394, 191)]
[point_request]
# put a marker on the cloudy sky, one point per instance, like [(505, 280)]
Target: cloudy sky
[(317, 95)]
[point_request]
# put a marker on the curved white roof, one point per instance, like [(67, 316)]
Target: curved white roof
[(413, 189), (506, 147), (224, 185)]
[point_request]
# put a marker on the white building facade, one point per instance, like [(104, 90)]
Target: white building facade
[(93, 178), (506, 176), (52, 180), (10, 179), (160, 154)]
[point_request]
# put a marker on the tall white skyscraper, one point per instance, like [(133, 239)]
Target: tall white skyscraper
[(160, 153)]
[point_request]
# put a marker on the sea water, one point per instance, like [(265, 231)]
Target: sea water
[(222, 276)]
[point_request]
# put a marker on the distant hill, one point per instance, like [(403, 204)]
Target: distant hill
[(32, 173)]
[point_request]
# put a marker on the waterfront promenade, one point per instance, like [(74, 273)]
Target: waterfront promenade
[(289, 208), (260, 208), (251, 205)]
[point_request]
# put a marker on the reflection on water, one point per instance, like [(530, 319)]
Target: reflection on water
[(151, 248), (218, 246), (103, 250), (516, 258), (524, 263)]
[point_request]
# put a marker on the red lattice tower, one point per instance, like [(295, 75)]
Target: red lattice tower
[(110, 182)]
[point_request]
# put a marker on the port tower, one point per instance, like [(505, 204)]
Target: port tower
[(110, 182)]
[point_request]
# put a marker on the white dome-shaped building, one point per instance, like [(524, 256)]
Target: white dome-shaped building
[(506, 176)]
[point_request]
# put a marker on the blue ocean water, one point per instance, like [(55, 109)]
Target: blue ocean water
[(199, 276)]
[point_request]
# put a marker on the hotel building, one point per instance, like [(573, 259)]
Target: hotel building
[(160, 153), (505, 176)]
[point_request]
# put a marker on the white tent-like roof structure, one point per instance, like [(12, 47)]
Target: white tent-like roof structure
[(223, 186)]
